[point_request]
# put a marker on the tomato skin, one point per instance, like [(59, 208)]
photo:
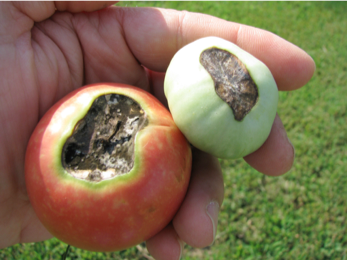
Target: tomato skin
[(112, 214)]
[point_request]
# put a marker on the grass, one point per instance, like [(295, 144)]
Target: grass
[(301, 215)]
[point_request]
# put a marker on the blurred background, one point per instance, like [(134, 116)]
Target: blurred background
[(301, 215)]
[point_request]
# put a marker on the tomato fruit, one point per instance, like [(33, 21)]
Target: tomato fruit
[(222, 98), (106, 167)]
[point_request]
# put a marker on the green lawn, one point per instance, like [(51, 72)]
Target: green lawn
[(301, 215)]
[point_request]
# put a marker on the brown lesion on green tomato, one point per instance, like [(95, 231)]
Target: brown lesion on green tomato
[(232, 81), (102, 143)]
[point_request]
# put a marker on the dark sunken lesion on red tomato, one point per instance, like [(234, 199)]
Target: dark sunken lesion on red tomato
[(233, 83), (102, 143)]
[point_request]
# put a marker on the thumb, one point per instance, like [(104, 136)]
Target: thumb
[(39, 11)]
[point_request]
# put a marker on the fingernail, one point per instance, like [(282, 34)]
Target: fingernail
[(212, 211), (181, 243)]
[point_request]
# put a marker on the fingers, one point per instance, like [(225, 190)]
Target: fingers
[(196, 221), (155, 35), (291, 67), (82, 6), (276, 155), (39, 11), (32, 228), (165, 245)]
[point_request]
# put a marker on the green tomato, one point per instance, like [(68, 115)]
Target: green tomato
[(222, 98)]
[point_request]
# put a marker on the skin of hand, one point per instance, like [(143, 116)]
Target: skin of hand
[(48, 49)]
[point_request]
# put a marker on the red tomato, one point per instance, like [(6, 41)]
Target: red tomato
[(115, 213)]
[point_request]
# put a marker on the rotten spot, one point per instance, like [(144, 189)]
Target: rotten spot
[(232, 81), (102, 143)]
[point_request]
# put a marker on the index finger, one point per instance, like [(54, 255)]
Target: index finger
[(155, 35)]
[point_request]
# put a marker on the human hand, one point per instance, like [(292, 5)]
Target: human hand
[(41, 62)]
